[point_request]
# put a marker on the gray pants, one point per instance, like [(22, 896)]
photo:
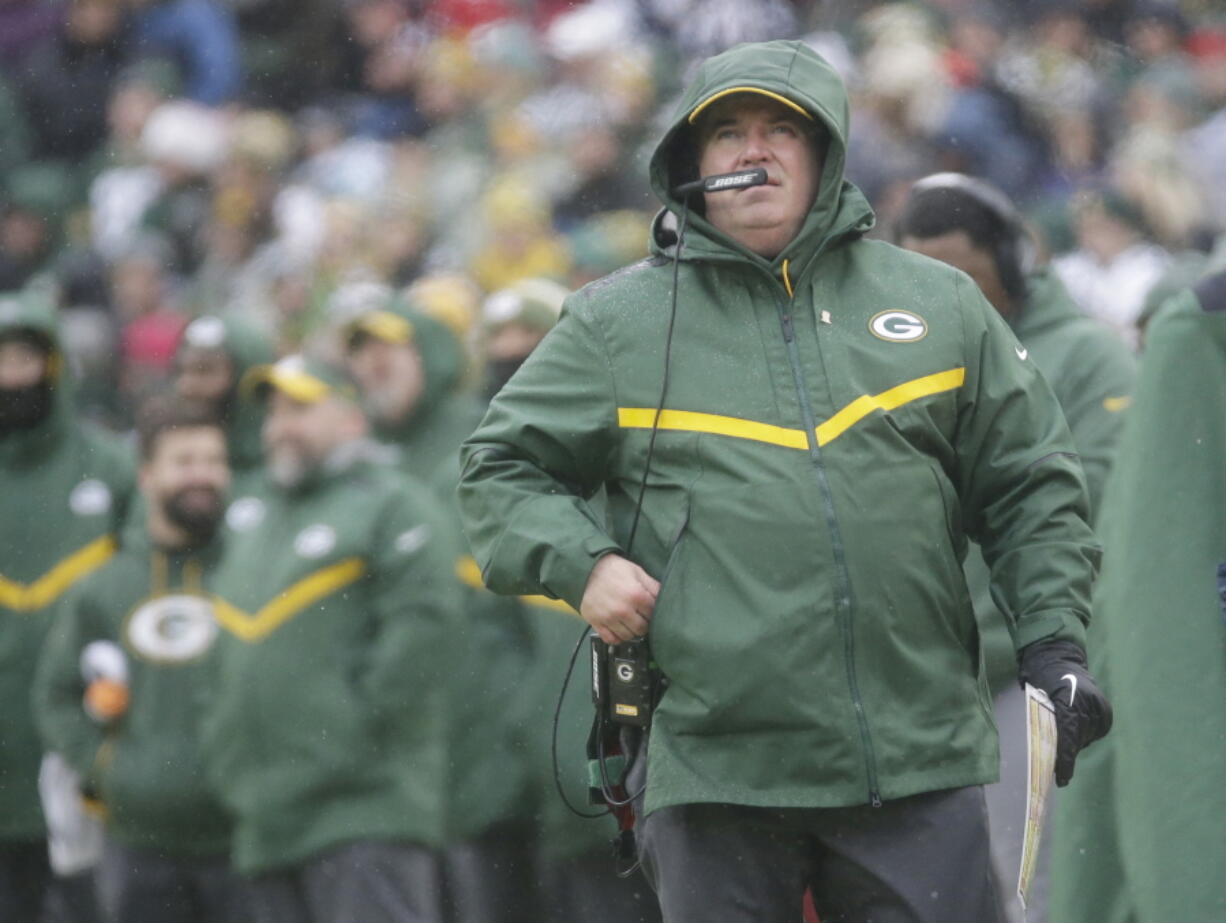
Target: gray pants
[(584, 888), (366, 881), (490, 879), (922, 859), (137, 884)]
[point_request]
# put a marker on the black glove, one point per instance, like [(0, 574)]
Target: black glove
[(1083, 714)]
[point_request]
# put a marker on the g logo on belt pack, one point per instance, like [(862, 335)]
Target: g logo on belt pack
[(172, 629), (898, 326)]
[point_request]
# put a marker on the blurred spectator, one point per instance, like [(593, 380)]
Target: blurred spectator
[(519, 241), (1115, 263), (150, 321), (513, 321), (67, 79), (212, 357), (23, 24), (33, 201), (200, 36)]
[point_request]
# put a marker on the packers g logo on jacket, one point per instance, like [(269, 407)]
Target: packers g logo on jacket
[(171, 629), (898, 326)]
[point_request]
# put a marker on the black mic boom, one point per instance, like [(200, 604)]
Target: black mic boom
[(721, 182)]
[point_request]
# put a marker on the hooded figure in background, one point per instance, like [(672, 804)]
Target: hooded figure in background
[(795, 453), (213, 355), (410, 368), (1144, 841), (66, 492)]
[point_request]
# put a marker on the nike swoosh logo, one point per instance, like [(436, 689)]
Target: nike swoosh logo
[(1072, 680), (1022, 352)]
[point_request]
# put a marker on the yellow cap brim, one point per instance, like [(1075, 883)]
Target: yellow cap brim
[(385, 326), (296, 384), (715, 97)]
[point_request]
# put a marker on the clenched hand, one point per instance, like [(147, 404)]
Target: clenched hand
[(618, 599)]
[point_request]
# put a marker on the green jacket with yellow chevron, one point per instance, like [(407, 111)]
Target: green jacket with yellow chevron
[(64, 491), (145, 768), (838, 421), (338, 602)]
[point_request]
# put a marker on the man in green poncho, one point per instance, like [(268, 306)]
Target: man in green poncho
[(1144, 841), (816, 430)]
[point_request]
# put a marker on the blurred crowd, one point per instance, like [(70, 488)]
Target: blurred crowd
[(287, 160)]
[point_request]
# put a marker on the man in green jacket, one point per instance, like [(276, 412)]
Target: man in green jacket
[(816, 431), (338, 603), (65, 493), (123, 680), (409, 367), (972, 226)]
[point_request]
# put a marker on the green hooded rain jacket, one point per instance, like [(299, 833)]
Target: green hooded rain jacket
[(838, 421), (64, 492)]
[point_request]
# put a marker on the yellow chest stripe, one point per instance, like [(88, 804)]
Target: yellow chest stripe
[(289, 602), (692, 422), (50, 586), (469, 573)]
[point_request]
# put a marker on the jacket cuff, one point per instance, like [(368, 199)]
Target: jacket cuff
[(567, 570), (1054, 625)]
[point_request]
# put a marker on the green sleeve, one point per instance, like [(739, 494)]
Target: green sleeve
[(1021, 485), (541, 452), (58, 688), (1094, 403), (415, 611)]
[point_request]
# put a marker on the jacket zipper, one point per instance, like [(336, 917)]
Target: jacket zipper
[(836, 541)]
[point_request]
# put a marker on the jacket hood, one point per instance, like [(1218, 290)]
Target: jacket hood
[(1048, 303), (796, 75), (442, 357), (32, 311), (246, 346)]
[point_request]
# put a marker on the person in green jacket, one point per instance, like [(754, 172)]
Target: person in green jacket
[(409, 367), (972, 226), (66, 490), (1145, 842), (123, 680), (213, 355), (336, 594), (816, 426)]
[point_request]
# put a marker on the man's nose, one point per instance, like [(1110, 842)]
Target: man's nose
[(756, 150)]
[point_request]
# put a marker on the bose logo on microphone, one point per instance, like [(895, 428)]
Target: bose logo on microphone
[(725, 181)]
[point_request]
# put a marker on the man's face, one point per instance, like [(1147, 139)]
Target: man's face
[(958, 250), (22, 365), (390, 375), (746, 131), (187, 478), (205, 377), (299, 436)]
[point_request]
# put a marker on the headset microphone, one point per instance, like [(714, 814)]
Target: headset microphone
[(721, 182)]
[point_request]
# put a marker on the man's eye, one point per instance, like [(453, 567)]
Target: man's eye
[(784, 129)]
